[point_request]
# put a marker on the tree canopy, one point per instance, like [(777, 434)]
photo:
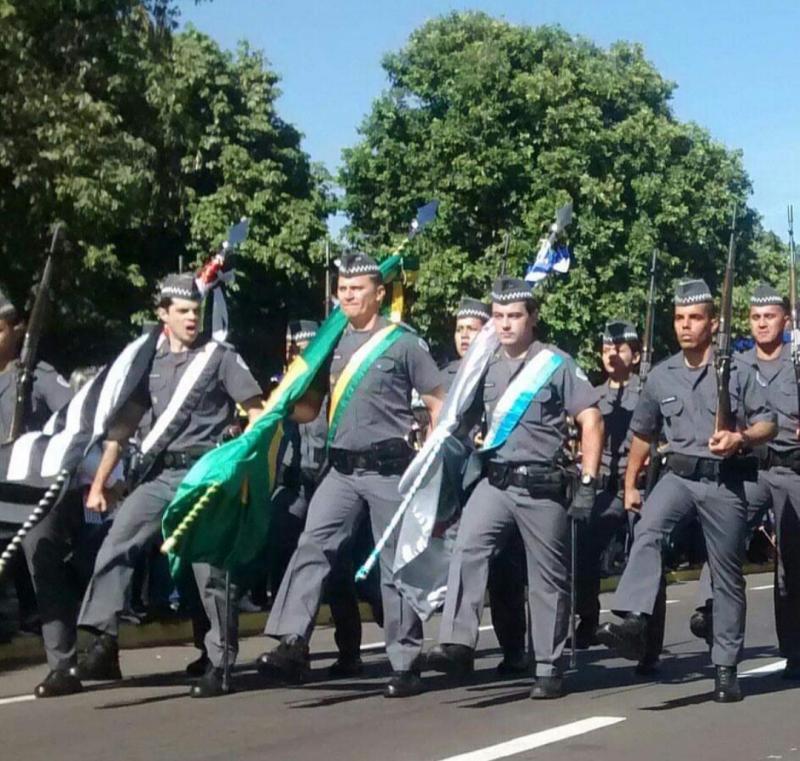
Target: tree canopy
[(148, 144), (505, 123)]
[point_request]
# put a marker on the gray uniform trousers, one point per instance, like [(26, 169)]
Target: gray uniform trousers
[(487, 521), (46, 547), (723, 517), (758, 497), (137, 522), (784, 485), (335, 509)]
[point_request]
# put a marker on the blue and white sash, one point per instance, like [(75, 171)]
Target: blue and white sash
[(516, 399)]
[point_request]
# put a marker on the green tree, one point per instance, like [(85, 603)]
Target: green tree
[(505, 123), (148, 144)]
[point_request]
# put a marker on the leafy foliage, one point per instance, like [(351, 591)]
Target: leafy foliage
[(505, 123), (148, 144)]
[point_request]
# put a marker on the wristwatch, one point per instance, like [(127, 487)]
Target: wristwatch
[(587, 480)]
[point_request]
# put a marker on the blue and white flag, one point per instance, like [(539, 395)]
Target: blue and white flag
[(554, 258)]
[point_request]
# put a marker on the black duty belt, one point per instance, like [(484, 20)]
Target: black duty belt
[(388, 458), (774, 459), (736, 468), (542, 480), (181, 460)]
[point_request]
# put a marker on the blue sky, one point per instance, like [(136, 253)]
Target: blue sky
[(736, 63)]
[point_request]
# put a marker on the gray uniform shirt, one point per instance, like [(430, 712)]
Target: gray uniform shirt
[(617, 406), (684, 401), (448, 374), (380, 408), (781, 393), (49, 393), (305, 444), (207, 421), (541, 433)]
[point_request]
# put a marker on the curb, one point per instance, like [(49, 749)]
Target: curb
[(26, 650)]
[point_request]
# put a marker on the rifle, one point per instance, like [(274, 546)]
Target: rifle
[(793, 307), (649, 322), (328, 287), (722, 362), (30, 344)]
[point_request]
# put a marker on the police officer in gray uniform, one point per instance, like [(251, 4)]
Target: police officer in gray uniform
[(778, 483), (617, 399), (301, 471), (368, 451), (49, 392), (524, 485), (138, 519), (506, 584), (45, 545), (705, 475)]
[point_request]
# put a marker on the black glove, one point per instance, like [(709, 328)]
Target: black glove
[(580, 509)]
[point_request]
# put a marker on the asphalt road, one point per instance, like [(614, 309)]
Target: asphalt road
[(610, 714)]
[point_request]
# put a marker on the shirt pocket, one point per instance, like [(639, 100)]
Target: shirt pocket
[(382, 375), (538, 406), (158, 386), (670, 409)]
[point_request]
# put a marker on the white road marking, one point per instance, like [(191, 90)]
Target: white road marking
[(17, 699), (765, 586), (537, 739), (768, 669), (672, 602)]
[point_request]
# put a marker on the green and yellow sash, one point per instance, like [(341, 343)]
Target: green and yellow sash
[(354, 372)]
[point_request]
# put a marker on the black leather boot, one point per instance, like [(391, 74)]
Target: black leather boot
[(701, 624), (403, 684), (548, 687), (726, 685), (100, 661), (58, 683), (514, 664), (454, 660), (209, 685), (288, 662), (199, 666), (792, 669), (628, 638), (346, 666)]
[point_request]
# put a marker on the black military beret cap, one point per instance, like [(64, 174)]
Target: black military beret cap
[(7, 310), (765, 295), (507, 290), (180, 287), (692, 292), (619, 332), (301, 330), (468, 307), (354, 263)]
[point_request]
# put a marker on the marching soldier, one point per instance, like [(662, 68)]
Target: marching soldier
[(529, 390), (506, 585), (300, 475), (618, 397), (778, 483), (373, 370), (705, 475), (49, 392), (193, 424)]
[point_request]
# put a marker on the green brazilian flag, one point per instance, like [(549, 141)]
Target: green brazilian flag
[(222, 510)]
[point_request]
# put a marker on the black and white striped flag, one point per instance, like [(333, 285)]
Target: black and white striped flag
[(32, 461)]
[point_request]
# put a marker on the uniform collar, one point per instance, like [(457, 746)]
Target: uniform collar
[(771, 368), (380, 322)]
